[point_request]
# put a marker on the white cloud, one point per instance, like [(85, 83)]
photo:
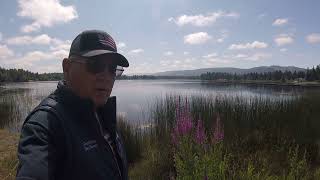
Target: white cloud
[(60, 54), (259, 56), (164, 62), (210, 55), (168, 53), (241, 56), (283, 39), (0, 36), (37, 56), (253, 45), (136, 51), (61, 45), (197, 38), (185, 53), (5, 52), (45, 13), (280, 22), (223, 36), (200, 19), (42, 39), (38, 61), (313, 38), (121, 45), (283, 49), (216, 61)]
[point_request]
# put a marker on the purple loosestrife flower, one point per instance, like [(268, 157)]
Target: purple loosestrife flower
[(218, 133), (200, 133), (184, 123)]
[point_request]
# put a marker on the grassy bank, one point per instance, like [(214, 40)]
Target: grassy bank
[(8, 158)]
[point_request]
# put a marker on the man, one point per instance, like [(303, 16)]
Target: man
[(72, 133)]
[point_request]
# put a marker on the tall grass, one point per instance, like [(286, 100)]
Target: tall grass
[(263, 137)]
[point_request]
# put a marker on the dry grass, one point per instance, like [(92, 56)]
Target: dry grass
[(8, 155)]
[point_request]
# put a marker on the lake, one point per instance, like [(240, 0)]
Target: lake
[(134, 97)]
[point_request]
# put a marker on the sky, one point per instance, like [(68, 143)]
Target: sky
[(164, 35)]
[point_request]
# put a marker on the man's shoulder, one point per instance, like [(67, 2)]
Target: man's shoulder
[(45, 114)]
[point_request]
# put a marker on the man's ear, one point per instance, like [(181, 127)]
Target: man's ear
[(66, 68), (65, 65)]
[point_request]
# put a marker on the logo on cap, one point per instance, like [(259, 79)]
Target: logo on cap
[(107, 41)]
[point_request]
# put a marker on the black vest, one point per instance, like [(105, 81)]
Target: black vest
[(83, 152)]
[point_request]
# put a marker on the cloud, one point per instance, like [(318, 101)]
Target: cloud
[(313, 38), (197, 38), (0, 36), (61, 45), (241, 56), (216, 61), (186, 53), (42, 39), (45, 13), (121, 45), (253, 45), (280, 22), (200, 19), (168, 53), (136, 51), (5, 52), (283, 39), (38, 61), (223, 36), (259, 56), (283, 49), (210, 55)]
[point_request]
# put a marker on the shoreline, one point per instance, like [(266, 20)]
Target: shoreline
[(310, 84)]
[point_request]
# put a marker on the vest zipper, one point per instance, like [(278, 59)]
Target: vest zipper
[(114, 155)]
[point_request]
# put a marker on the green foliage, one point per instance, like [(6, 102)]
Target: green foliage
[(133, 140), (259, 133), (20, 75), (309, 75)]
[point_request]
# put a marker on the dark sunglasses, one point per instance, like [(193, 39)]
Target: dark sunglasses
[(98, 64)]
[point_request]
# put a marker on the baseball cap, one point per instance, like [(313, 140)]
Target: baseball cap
[(91, 43)]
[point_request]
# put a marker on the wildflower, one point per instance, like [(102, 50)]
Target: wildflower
[(200, 133), (184, 123)]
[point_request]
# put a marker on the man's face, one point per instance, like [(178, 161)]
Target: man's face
[(95, 86)]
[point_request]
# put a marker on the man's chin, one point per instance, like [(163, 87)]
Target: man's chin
[(100, 101)]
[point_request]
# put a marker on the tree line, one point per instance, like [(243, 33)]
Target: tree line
[(308, 75), (20, 75), (145, 77)]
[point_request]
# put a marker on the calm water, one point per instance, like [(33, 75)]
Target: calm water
[(134, 97)]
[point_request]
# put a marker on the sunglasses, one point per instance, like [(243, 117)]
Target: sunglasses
[(98, 64)]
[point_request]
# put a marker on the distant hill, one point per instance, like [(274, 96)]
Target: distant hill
[(260, 69)]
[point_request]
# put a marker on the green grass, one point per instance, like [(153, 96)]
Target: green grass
[(264, 138), (261, 135), (8, 155)]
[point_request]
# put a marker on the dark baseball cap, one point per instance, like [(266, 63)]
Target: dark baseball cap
[(95, 42)]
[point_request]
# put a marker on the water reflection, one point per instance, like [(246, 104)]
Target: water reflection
[(134, 97)]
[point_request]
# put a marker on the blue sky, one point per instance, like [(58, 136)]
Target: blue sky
[(162, 35)]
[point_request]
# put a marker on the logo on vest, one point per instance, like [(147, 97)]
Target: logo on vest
[(90, 145)]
